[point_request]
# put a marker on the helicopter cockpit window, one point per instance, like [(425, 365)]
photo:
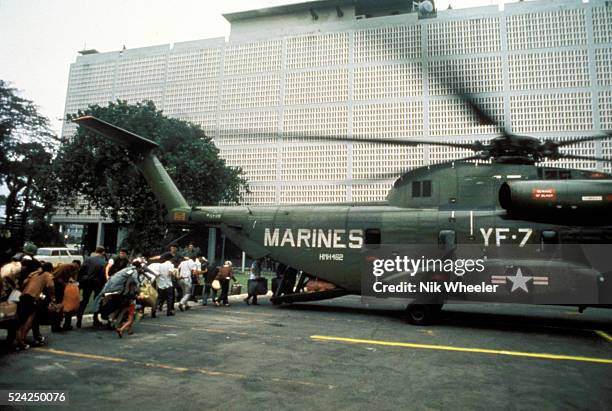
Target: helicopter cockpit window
[(426, 188), (372, 238), (549, 241), (421, 188), (553, 174), (550, 174), (416, 189)]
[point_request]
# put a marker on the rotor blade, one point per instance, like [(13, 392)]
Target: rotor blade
[(477, 146), (575, 157), (476, 157), (483, 117), (387, 141), (385, 176), (459, 89), (606, 135), (116, 134)]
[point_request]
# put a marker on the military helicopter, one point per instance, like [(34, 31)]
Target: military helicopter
[(527, 221)]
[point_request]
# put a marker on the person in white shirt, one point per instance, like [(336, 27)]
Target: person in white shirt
[(195, 279), (186, 269), (254, 277), (165, 289)]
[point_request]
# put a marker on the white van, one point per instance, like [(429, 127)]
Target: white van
[(57, 255)]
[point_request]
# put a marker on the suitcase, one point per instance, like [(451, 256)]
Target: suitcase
[(236, 289), (8, 311), (198, 290), (258, 287), (262, 286), (275, 284)]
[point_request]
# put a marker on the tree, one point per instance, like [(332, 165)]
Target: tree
[(20, 123), (105, 174), (26, 151)]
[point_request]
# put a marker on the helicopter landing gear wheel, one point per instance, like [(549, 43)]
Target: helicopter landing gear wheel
[(423, 314)]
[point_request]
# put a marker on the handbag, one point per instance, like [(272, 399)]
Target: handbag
[(72, 298), (55, 308), (216, 285)]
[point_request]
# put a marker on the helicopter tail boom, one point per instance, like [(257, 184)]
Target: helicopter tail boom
[(151, 168)]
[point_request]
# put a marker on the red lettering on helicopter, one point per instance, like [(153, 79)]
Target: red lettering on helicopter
[(544, 194)]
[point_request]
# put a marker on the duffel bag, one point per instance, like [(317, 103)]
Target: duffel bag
[(72, 298), (148, 295)]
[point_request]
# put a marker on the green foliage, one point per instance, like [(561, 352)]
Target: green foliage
[(26, 151), (106, 176), (20, 123)]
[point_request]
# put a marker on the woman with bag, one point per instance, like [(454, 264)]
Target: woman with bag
[(225, 273), (66, 291), (209, 278)]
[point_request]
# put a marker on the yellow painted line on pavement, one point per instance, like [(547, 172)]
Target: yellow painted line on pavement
[(220, 331), (464, 349), (210, 330), (204, 371), (256, 313), (603, 335), (81, 355)]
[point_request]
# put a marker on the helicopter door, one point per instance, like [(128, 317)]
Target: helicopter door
[(477, 191), (372, 238), (369, 222)]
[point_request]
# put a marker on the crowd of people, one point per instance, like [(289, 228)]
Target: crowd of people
[(121, 288)]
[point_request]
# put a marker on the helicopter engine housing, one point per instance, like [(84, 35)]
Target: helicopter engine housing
[(572, 196)]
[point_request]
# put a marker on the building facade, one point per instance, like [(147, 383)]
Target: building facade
[(352, 68)]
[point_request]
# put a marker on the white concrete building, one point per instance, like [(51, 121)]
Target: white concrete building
[(368, 68)]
